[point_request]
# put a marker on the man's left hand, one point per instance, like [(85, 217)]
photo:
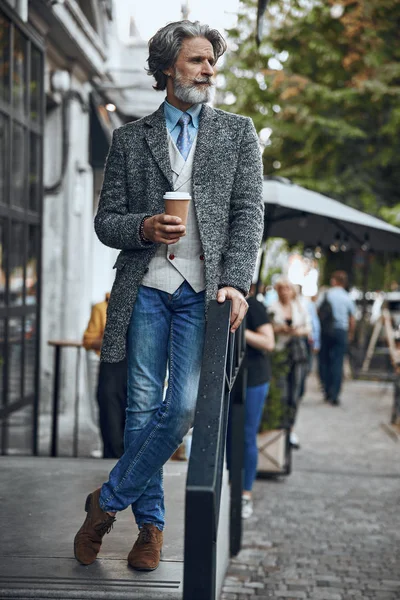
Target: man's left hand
[(239, 305)]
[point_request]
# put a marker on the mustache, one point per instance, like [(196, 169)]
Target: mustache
[(206, 80)]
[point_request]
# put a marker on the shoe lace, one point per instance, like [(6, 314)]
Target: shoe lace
[(145, 535), (105, 526)]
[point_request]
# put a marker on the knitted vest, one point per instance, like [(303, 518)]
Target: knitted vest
[(173, 264)]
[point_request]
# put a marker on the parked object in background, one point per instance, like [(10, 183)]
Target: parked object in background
[(274, 457), (273, 439), (59, 345), (392, 338), (395, 417)]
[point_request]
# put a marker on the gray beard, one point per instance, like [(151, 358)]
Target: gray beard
[(191, 94)]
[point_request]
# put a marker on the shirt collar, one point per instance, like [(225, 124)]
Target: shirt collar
[(173, 114)]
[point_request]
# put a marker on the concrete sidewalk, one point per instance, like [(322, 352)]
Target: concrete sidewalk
[(331, 530)]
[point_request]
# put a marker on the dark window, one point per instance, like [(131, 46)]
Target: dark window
[(19, 71), (18, 166), (17, 264), (35, 85), (21, 147), (3, 261), (34, 171), (2, 361), (31, 266), (15, 336), (4, 58), (30, 341), (4, 156)]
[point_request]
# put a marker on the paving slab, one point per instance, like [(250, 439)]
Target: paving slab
[(329, 531)]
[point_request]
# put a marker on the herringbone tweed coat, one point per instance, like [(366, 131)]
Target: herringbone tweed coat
[(227, 193)]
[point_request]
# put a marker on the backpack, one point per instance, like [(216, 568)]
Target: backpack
[(325, 314)]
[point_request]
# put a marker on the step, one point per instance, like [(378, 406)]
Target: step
[(42, 508)]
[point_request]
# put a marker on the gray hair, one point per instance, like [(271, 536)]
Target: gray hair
[(166, 44)]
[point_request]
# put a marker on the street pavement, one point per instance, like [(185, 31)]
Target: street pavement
[(330, 530)]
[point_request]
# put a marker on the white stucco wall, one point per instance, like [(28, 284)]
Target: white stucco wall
[(76, 267), (66, 249)]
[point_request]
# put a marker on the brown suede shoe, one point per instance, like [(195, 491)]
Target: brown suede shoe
[(97, 523), (146, 551)]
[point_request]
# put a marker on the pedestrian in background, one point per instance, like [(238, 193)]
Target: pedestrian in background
[(313, 340), (291, 324), (260, 341), (315, 336), (111, 386), (167, 271), (336, 311)]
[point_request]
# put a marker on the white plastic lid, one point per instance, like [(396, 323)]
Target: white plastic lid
[(177, 196)]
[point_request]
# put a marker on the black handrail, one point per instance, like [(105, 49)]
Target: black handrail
[(222, 377)]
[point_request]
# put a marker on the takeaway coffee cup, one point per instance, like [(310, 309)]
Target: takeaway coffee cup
[(177, 204)]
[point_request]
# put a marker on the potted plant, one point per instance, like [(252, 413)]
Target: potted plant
[(273, 437)]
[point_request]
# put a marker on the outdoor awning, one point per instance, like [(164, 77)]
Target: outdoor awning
[(300, 215)]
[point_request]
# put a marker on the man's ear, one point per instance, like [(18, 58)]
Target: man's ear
[(169, 72)]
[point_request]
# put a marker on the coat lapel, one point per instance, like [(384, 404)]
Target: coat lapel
[(207, 129), (157, 139)]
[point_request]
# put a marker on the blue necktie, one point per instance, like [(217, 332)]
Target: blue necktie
[(183, 143)]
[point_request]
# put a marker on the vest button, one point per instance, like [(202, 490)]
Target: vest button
[(171, 256), (201, 256)]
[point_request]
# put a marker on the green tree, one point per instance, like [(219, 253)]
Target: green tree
[(323, 90)]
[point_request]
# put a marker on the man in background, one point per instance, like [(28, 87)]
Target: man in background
[(336, 311), (111, 387)]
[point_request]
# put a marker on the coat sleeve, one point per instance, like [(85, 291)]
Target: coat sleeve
[(246, 221), (115, 226)]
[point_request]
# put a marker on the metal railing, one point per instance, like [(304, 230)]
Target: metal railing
[(222, 382)]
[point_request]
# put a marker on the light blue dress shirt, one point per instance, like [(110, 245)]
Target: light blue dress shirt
[(342, 307), (172, 116)]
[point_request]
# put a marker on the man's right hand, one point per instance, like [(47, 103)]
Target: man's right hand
[(164, 229)]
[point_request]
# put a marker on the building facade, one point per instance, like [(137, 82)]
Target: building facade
[(60, 63)]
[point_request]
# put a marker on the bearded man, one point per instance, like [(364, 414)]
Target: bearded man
[(167, 272)]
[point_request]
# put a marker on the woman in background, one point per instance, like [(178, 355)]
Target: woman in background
[(260, 342), (291, 324)]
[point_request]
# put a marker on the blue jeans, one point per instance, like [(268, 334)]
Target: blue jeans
[(255, 400), (254, 405), (165, 329), (331, 356)]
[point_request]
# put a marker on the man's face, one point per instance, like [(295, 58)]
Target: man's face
[(191, 76)]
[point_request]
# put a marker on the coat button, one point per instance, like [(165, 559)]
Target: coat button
[(201, 256), (171, 256)]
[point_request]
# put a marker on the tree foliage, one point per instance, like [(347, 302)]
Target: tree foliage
[(323, 90)]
